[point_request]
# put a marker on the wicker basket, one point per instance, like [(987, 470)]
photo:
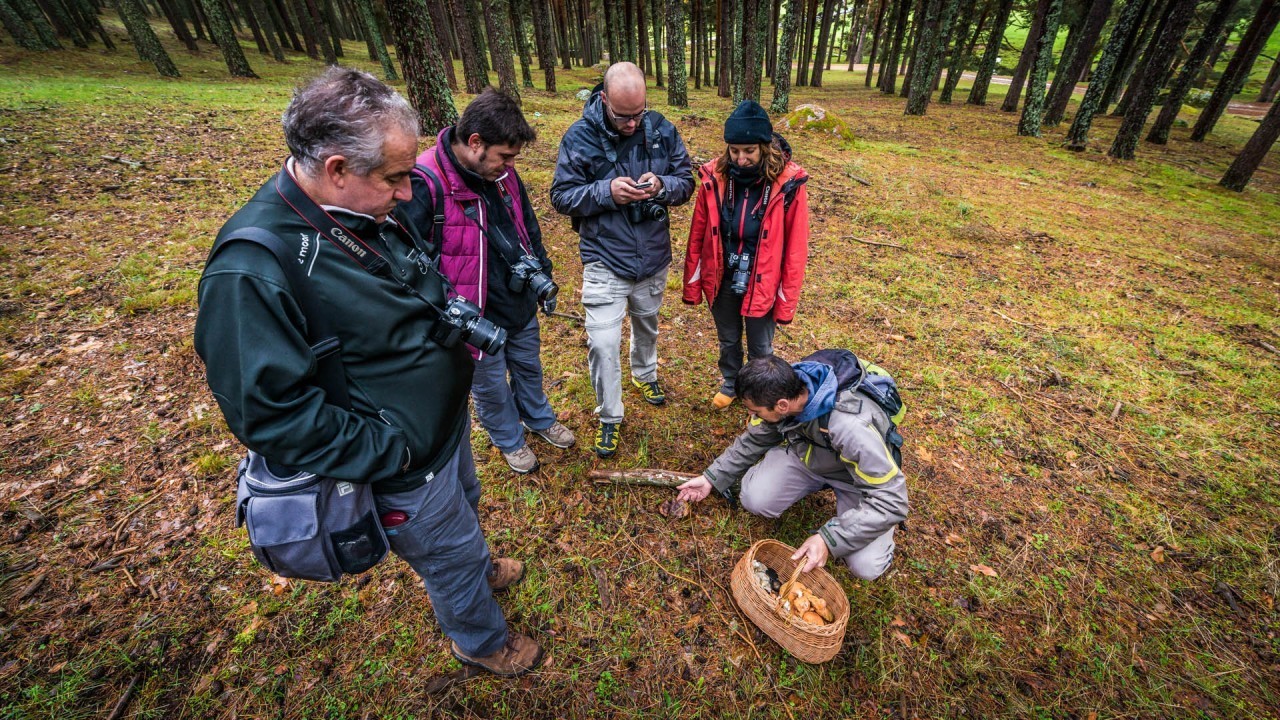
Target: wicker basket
[(810, 643)]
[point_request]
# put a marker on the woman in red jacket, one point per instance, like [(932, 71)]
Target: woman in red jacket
[(749, 240)]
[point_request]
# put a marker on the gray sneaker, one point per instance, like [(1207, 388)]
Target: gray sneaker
[(558, 435), (521, 460)]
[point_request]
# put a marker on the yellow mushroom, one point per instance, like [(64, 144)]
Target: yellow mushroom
[(813, 618)]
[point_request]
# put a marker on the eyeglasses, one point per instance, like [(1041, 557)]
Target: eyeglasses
[(624, 119)]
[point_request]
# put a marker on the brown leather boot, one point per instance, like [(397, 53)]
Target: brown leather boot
[(504, 573), (517, 656)]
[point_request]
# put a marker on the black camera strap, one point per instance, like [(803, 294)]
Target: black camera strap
[(325, 345), (348, 241)]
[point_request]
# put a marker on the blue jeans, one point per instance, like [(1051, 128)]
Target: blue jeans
[(503, 404), (443, 543)]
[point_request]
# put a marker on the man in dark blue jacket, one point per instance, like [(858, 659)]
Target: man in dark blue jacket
[(352, 143), (620, 167)]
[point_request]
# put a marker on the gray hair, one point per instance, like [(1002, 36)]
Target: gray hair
[(344, 112)]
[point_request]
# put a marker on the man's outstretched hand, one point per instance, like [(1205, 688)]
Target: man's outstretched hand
[(695, 490), (815, 552)]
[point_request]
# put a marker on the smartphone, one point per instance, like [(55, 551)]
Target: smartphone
[(643, 185)]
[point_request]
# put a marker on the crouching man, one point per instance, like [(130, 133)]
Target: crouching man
[(819, 423), (332, 208)]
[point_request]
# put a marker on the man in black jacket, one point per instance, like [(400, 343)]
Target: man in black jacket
[(352, 142), (620, 167)]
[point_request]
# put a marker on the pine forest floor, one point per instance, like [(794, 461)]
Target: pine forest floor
[(1088, 350)]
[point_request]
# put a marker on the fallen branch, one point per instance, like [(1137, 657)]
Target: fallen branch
[(1115, 413), (641, 476), (602, 587), (33, 587), (958, 256), (188, 180), (1268, 347), (568, 316), (123, 161), (860, 181), (118, 711), (873, 242), (1017, 322), (119, 526)]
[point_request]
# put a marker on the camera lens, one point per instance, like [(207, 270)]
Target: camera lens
[(485, 336)]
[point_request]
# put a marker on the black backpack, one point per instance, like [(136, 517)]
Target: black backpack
[(871, 381)]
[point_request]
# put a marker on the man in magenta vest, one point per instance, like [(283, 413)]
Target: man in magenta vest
[(490, 246)]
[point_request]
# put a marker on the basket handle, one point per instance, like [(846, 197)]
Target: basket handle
[(786, 587)]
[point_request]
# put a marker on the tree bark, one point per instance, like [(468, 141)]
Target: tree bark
[(656, 23), (422, 61), (269, 29), (1138, 39), (518, 29), (319, 30), (472, 66), (875, 40), (546, 50), (220, 27), (1233, 78), (17, 27), (1074, 63), (921, 85), (1027, 57), (806, 44), (1144, 62), (1033, 109), (1272, 84), (495, 17), (1078, 135), (677, 74), (893, 46), (1153, 79), (824, 37), (34, 16), (144, 38), (960, 51), (786, 48), (724, 31), (251, 20), (1213, 27), (987, 66), (1254, 151)]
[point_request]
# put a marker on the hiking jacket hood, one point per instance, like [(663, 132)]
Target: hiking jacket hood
[(851, 454), (777, 270), (588, 161), (408, 394)]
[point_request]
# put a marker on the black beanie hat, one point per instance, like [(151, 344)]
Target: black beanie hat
[(749, 123)]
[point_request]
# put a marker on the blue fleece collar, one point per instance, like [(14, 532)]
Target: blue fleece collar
[(822, 383)]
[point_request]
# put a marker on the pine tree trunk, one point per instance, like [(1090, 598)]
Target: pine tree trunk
[(893, 45), (824, 38), (739, 52), (268, 29), (422, 59), (443, 39), (709, 75), (546, 51), (1073, 63), (1153, 79), (920, 80), (642, 32), (472, 66), (495, 16), (943, 39), (280, 15), (875, 40), (1254, 151), (786, 47), (1138, 39), (334, 25), (65, 25), (807, 36), (307, 29), (656, 20), (144, 38), (1237, 72), (1078, 135), (319, 31), (724, 33), (375, 38), (1144, 61), (771, 37), (1272, 84), (677, 73), (629, 31), (254, 28), (909, 51), (1027, 57), (522, 42), (1203, 78), (473, 24), (564, 50), (753, 48), (18, 29), (220, 27), (32, 14), (987, 66), (1033, 109), (1209, 36), (959, 51), (92, 24)]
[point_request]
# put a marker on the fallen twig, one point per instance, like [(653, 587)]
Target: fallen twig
[(1017, 322), (188, 180), (119, 526), (123, 161), (860, 181), (958, 256), (641, 476), (32, 587), (873, 242), (118, 711), (1115, 412), (1268, 347), (568, 316), (602, 587)]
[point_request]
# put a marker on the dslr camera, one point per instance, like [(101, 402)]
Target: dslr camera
[(638, 212), (460, 321), (740, 265), (527, 273)]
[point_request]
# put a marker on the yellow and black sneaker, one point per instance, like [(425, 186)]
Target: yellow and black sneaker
[(651, 390), (606, 440)]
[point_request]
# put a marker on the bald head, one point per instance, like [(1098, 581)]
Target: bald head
[(624, 96)]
